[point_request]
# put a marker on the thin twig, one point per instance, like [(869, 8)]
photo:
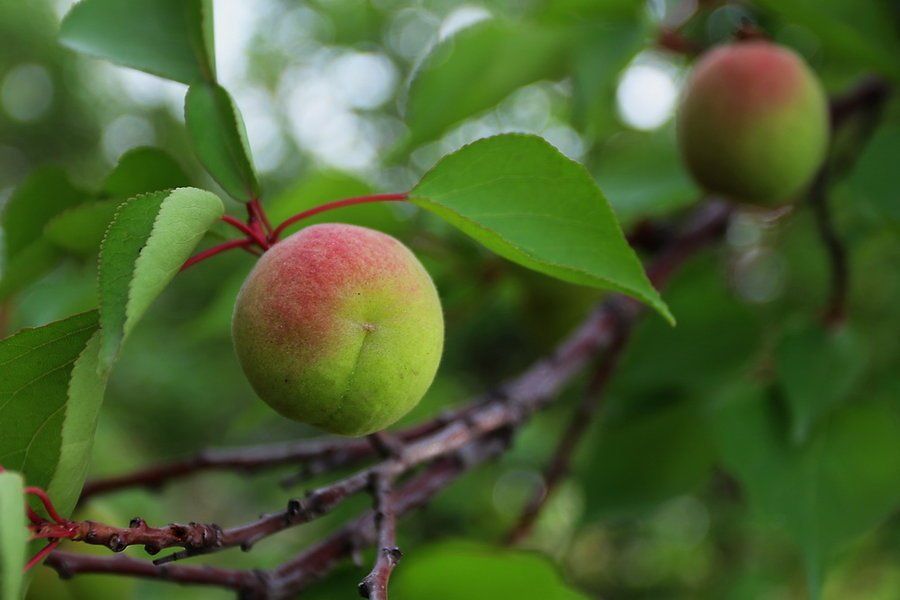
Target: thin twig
[(375, 584), (865, 100), (560, 463)]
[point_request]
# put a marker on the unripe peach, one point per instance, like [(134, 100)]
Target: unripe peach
[(339, 327), (753, 122)]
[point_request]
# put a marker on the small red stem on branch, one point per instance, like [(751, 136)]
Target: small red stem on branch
[(229, 245), (261, 215), (254, 234), (37, 558), (336, 204)]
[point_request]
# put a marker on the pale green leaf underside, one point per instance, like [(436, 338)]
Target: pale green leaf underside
[(168, 38), (147, 242), (13, 535), (36, 408), (524, 200), (217, 133)]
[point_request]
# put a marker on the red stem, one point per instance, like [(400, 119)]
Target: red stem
[(41, 555), (48, 504), (257, 209), (255, 234), (243, 243), (337, 204)]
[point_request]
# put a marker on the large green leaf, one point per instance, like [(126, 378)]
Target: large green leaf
[(605, 47), (862, 31), (45, 193), (80, 229), (622, 167), (147, 242), (220, 140), (475, 69), (844, 480), (868, 184), (463, 571), (523, 199), (661, 360), (14, 535), (817, 369), (50, 396), (169, 38), (143, 170), (27, 266), (646, 458)]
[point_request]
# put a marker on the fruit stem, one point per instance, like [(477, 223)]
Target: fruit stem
[(41, 555), (333, 205), (256, 236), (256, 209), (242, 243)]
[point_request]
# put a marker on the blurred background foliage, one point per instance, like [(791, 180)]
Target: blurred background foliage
[(744, 454)]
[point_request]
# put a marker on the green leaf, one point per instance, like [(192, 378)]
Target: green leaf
[(622, 166), (643, 459), (28, 266), (168, 38), (606, 46), (80, 230), (868, 183), (817, 368), (463, 570), (862, 31), (147, 242), (843, 481), (50, 396), (477, 68), (14, 535), (44, 194), (220, 140), (687, 359), (524, 200), (143, 170)]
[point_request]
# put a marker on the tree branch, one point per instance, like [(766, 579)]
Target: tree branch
[(375, 584), (478, 432)]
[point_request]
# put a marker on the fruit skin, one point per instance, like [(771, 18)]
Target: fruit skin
[(753, 122), (340, 327)]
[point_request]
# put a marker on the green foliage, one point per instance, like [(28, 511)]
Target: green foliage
[(149, 239), (143, 170), (49, 400), (842, 481), (220, 141), (457, 570), (862, 32), (867, 185), (14, 535), (169, 38), (527, 202), (818, 368), (622, 175), (810, 448), (639, 460), (490, 59)]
